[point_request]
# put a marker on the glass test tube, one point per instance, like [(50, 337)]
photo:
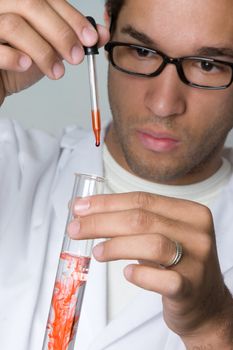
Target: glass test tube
[(71, 277)]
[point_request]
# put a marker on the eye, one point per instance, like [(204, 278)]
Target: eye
[(141, 52), (207, 66), (213, 67)]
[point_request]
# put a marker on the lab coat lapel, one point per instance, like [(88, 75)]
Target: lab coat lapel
[(79, 155), (222, 215), (132, 317)]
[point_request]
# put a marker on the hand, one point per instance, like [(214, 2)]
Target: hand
[(144, 227), (36, 36)]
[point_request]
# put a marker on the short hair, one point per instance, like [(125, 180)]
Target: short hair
[(113, 8)]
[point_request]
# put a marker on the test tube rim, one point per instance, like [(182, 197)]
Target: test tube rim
[(91, 176)]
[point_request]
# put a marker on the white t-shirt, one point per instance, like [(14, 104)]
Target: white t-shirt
[(119, 180)]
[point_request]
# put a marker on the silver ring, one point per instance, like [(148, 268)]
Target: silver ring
[(177, 257)]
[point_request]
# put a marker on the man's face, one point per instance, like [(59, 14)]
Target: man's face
[(164, 130)]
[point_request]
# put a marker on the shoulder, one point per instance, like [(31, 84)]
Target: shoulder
[(39, 150), (30, 143)]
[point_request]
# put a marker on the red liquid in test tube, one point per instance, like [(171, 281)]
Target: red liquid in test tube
[(66, 302)]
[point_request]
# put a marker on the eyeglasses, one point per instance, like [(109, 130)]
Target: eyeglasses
[(200, 72)]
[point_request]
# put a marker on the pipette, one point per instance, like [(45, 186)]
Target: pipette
[(90, 52)]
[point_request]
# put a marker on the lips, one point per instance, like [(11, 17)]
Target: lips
[(157, 141)]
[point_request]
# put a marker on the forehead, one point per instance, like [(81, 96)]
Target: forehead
[(173, 23)]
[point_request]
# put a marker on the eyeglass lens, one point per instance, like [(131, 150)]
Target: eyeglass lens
[(203, 72)]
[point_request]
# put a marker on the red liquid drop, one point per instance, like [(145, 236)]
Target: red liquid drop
[(68, 291), (96, 125)]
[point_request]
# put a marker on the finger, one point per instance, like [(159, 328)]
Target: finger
[(12, 59), (172, 208), (168, 283), (55, 29), (129, 222), (104, 35), (139, 222), (111, 224), (154, 248), (31, 43), (81, 26)]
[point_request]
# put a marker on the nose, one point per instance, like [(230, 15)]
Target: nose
[(166, 95)]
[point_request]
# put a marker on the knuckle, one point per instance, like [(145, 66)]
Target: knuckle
[(89, 224), (140, 220), (142, 199), (103, 201), (205, 217), (160, 247), (206, 213), (167, 247), (65, 34), (205, 246), (30, 4), (164, 244), (157, 245), (10, 22), (176, 285), (46, 54)]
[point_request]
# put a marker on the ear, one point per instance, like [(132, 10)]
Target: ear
[(107, 19)]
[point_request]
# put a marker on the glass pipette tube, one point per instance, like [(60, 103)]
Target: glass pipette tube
[(95, 112), (71, 277)]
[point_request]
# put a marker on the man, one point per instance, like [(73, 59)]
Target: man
[(170, 91)]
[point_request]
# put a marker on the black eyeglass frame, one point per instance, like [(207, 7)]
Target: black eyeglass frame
[(177, 61)]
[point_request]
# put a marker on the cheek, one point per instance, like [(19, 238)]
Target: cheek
[(211, 110), (225, 110), (125, 92)]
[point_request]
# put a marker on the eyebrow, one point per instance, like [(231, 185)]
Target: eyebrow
[(143, 38), (215, 51), (203, 51)]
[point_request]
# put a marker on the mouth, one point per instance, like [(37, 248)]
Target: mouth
[(157, 141)]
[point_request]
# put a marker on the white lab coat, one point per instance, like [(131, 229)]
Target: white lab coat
[(36, 179)]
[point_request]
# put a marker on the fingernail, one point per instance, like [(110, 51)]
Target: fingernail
[(89, 35), (24, 62), (77, 54), (73, 228), (98, 250), (58, 70), (81, 205)]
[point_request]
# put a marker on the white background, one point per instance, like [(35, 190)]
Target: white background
[(50, 105)]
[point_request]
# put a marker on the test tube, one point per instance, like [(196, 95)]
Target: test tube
[(90, 52), (71, 276)]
